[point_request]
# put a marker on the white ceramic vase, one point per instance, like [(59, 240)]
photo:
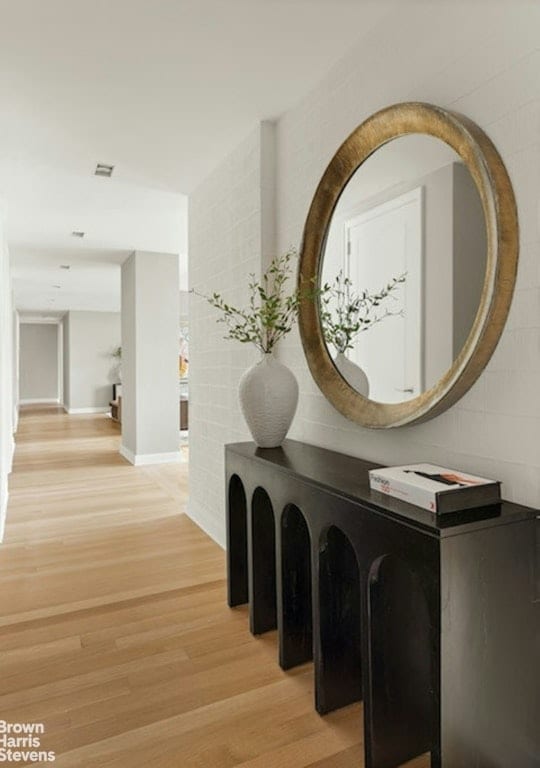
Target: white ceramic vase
[(268, 393), (352, 374)]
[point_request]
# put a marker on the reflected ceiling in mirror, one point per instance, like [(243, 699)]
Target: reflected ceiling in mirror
[(403, 268)]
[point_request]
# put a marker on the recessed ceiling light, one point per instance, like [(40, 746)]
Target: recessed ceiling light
[(104, 170), (77, 233), (65, 266)]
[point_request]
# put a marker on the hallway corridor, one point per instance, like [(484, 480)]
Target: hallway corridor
[(115, 632)]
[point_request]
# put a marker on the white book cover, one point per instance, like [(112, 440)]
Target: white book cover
[(438, 489)]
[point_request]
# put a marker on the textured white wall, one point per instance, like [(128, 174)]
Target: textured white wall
[(227, 242), (486, 67), (484, 64)]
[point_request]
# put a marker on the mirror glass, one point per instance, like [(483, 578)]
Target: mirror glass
[(403, 268)]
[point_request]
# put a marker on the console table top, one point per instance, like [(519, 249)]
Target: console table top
[(348, 477)]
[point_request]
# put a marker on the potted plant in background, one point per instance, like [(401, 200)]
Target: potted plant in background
[(268, 391), (117, 355), (345, 314)]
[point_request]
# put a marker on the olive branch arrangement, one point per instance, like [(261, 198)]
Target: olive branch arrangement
[(346, 314), (271, 311)]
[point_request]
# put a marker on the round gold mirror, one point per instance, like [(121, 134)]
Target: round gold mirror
[(412, 240)]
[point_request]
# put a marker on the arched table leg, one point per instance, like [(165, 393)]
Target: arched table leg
[(237, 543), (262, 564), (296, 636), (400, 695), (338, 669)]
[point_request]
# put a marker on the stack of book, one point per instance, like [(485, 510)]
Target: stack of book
[(438, 489)]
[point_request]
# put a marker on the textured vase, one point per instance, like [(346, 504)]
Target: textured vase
[(352, 374), (268, 394)]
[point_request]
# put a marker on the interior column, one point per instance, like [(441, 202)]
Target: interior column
[(150, 396)]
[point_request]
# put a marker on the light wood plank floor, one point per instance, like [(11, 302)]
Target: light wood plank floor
[(114, 628)]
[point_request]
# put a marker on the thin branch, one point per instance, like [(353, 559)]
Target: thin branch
[(271, 313), (346, 314)]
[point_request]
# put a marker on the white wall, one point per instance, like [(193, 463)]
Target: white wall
[(15, 344), (458, 56), (129, 360), (65, 361), (6, 377), (38, 362), (90, 338)]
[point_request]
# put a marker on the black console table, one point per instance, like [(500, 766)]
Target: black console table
[(432, 622)]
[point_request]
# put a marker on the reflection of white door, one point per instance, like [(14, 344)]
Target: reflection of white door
[(383, 243)]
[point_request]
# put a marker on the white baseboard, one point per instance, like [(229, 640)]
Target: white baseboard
[(40, 401), (97, 409), (205, 524), (138, 459)]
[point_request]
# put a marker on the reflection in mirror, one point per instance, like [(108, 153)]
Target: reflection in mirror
[(403, 269)]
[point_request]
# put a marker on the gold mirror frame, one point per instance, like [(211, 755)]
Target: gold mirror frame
[(495, 189)]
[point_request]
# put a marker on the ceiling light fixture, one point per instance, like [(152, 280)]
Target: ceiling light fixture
[(104, 170), (57, 286), (77, 233), (65, 266)]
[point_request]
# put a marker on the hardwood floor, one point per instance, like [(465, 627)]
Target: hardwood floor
[(114, 628)]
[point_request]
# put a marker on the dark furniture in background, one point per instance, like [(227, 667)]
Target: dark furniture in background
[(116, 410), (431, 621), (184, 412), (116, 403)]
